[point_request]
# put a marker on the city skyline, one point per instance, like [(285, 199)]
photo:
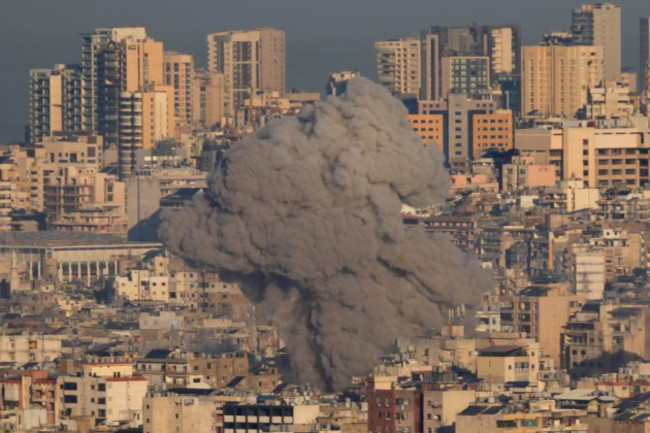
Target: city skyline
[(339, 36)]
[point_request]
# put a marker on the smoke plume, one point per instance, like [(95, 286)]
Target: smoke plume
[(307, 214)]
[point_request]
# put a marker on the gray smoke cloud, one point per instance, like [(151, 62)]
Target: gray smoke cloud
[(307, 214)]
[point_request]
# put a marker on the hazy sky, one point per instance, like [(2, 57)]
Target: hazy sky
[(322, 36)]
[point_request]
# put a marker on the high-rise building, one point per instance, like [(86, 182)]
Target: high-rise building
[(466, 74), (555, 78), (463, 128), (146, 116), (125, 66), (207, 98), (398, 66), (249, 61), (600, 25), (644, 57), (427, 75), (179, 73), (93, 44), (54, 101)]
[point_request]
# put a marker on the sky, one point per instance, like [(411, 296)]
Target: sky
[(323, 36)]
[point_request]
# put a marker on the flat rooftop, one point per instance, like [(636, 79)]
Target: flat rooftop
[(54, 238)]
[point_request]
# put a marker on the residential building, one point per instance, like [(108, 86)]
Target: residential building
[(398, 66), (93, 69), (82, 199), (523, 173), (600, 25), (555, 78), (146, 117), (610, 100), (599, 331), (183, 412), (249, 60), (54, 101), (603, 156), (179, 73), (207, 98)]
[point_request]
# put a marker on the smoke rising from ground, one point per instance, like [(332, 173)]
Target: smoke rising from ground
[(306, 212)]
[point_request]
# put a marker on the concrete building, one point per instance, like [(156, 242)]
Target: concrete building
[(602, 329), (524, 173), (248, 418), (589, 271), (94, 72), (502, 364), (250, 60), (168, 412), (179, 73), (110, 399), (207, 98), (337, 82), (82, 199), (467, 127), (644, 54), (600, 25), (54, 101), (430, 127), (611, 100), (146, 117), (555, 78), (465, 74), (602, 156), (398, 66), (70, 256), (30, 348)]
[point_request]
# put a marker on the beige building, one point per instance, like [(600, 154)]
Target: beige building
[(611, 100), (501, 364), (179, 73), (109, 398), (600, 25), (83, 199), (167, 412), (146, 116), (502, 57), (54, 101), (93, 48), (249, 61), (398, 65), (602, 157), (30, 348), (555, 78), (207, 98)]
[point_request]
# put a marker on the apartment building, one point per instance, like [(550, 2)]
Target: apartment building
[(599, 331), (81, 199), (398, 66), (249, 60), (54, 101), (179, 73), (555, 78), (187, 412), (601, 156), (94, 70), (207, 98), (103, 392), (600, 25), (539, 312)]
